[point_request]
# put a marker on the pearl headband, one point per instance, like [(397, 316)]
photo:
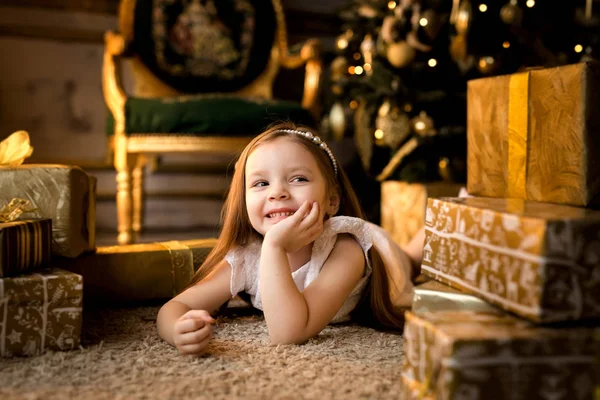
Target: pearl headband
[(316, 140)]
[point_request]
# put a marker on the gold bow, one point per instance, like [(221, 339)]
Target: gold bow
[(14, 209), (15, 149)]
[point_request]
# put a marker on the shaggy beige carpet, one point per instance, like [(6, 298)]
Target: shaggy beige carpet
[(122, 357)]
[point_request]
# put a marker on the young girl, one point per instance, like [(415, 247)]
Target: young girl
[(283, 244)]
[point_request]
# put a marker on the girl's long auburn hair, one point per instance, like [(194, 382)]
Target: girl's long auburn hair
[(375, 308)]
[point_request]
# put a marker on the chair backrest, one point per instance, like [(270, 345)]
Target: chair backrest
[(202, 46)]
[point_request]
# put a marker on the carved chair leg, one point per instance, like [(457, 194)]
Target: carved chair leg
[(123, 164), (138, 195)]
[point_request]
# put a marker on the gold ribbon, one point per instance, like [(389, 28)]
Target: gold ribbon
[(14, 209), (518, 131), (182, 264), (15, 149)]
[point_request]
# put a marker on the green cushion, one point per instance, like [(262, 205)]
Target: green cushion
[(231, 116)]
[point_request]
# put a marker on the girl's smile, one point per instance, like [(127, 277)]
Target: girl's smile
[(279, 214)]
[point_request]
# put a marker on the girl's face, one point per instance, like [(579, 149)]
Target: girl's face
[(280, 175)]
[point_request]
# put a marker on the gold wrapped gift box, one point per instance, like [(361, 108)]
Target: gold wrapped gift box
[(403, 206), (24, 245), (140, 271), (39, 311), (538, 260), (534, 135), (65, 194), (468, 355)]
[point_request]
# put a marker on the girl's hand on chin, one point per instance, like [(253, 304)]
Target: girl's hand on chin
[(298, 230)]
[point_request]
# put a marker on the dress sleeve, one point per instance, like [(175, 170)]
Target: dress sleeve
[(235, 258)]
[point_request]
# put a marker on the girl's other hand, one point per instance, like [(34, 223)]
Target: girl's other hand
[(298, 230), (192, 332)]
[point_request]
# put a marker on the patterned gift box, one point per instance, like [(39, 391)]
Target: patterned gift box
[(538, 260), (65, 194), (24, 245), (468, 355), (40, 311), (434, 296), (403, 206), (139, 271), (533, 135)]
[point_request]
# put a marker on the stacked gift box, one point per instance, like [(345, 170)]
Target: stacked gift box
[(514, 307), (49, 264), (41, 305)]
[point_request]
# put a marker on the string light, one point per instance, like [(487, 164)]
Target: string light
[(578, 48), (351, 70), (378, 134), (342, 43), (482, 7), (356, 56), (432, 62), (407, 107), (506, 44), (358, 70), (423, 22), (353, 104), (367, 67), (530, 3), (392, 5)]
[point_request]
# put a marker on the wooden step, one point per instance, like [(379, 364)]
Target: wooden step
[(164, 213), (164, 184)]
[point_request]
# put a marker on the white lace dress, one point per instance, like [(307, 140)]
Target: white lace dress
[(245, 262)]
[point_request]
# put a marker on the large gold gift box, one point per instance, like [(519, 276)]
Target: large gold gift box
[(538, 260), (468, 355), (140, 271), (534, 135), (403, 206), (65, 194), (39, 311)]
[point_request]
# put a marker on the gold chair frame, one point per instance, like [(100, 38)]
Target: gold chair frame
[(132, 151)]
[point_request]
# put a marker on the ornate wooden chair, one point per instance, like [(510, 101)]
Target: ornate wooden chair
[(203, 75)]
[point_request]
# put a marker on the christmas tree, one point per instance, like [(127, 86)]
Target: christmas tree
[(397, 82)]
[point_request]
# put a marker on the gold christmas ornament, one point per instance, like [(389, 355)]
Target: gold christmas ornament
[(367, 48), (431, 23), (423, 125), (367, 11), (363, 136), (487, 65), (393, 125), (337, 121), (344, 39), (463, 17), (15, 149), (511, 13), (339, 68), (400, 54)]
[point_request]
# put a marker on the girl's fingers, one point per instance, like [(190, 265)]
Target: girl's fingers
[(194, 349), (189, 325), (195, 337), (198, 314), (313, 215)]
